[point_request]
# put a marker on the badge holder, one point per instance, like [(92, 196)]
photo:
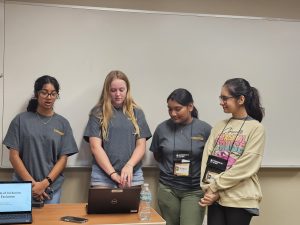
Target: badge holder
[(182, 163), (214, 166)]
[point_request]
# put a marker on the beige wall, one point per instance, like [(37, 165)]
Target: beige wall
[(281, 187)]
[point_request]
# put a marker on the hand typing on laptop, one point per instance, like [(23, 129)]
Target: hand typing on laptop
[(116, 177), (126, 175), (118, 180), (125, 179)]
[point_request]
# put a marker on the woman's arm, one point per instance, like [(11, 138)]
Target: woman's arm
[(41, 186), (102, 158), (21, 170), (19, 166), (137, 156), (38, 187)]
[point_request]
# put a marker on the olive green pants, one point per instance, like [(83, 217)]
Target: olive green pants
[(180, 207)]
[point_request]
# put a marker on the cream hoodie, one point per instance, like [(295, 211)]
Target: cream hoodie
[(238, 185)]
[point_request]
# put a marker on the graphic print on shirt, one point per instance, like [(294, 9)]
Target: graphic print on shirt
[(230, 145)]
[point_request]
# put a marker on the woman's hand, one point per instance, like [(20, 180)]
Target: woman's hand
[(209, 198), (116, 178), (136, 157), (126, 175), (38, 189)]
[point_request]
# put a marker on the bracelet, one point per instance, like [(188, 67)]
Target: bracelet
[(112, 173), (49, 180)]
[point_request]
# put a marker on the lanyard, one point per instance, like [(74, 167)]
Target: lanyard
[(230, 149)]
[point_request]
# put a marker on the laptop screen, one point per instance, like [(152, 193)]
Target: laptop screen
[(15, 197)]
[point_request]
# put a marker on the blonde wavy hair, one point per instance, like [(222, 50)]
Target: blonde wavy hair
[(104, 108)]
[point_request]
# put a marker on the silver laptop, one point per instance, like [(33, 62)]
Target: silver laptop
[(15, 202), (113, 200)]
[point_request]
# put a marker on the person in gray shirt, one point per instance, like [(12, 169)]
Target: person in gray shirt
[(40, 142), (178, 145), (117, 132)]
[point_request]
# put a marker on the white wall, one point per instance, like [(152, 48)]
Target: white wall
[(159, 52)]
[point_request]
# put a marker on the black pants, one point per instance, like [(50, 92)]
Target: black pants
[(220, 215)]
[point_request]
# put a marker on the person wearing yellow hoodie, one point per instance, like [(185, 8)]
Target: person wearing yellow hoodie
[(233, 156)]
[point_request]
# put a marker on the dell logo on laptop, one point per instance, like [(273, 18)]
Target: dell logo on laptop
[(114, 201)]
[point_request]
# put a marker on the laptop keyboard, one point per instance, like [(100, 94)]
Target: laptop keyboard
[(14, 218)]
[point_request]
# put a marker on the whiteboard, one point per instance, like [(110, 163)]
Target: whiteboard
[(1, 67), (159, 52)]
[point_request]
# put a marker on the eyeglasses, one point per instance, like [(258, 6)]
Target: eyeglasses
[(45, 94), (225, 98)]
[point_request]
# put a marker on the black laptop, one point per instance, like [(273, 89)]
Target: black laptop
[(15, 202), (113, 200)]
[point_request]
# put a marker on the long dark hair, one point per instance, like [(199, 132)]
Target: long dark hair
[(38, 85), (238, 87), (183, 97)]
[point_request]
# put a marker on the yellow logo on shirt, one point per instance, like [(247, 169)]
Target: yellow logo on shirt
[(58, 132), (198, 138)]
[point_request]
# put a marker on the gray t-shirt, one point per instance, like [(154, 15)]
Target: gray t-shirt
[(121, 140), (169, 137), (40, 145)]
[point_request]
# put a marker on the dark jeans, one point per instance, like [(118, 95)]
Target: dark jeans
[(220, 215)]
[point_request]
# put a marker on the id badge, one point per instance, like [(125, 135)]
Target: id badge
[(182, 163), (214, 166), (182, 169), (209, 176)]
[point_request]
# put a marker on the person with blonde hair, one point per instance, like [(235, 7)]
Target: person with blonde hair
[(117, 132)]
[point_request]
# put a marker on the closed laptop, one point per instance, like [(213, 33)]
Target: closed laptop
[(15, 202), (113, 200)]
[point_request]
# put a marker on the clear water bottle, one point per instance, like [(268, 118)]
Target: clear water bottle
[(145, 203)]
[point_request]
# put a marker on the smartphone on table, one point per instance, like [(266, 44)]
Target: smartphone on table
[(73, 219)]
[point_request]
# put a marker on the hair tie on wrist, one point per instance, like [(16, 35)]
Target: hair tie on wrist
[(49, 180), (112, 173)]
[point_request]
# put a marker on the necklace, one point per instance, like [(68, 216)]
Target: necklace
[(44, 122)]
